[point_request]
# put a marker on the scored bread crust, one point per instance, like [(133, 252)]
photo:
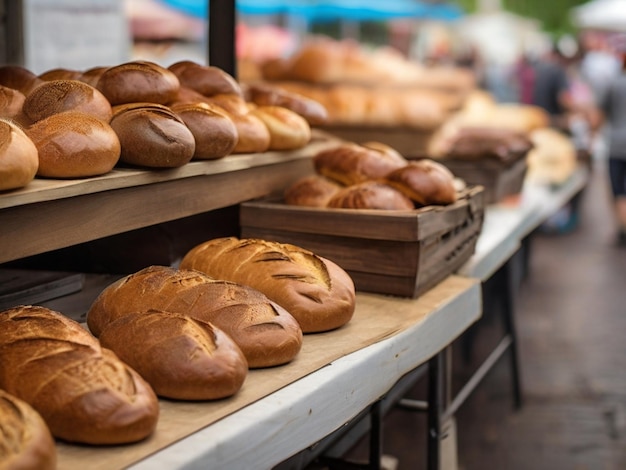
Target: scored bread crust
[(266, 333), (317, 292)]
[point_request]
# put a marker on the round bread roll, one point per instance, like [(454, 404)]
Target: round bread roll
[(311, 191), (151, 135), (351, 163), (254, 136), (138, 81), (266, 95), (265, 332), (19, 158), (205, 79), (318, 293), (26, 440), (74, 145), (61, 74), (214, 132), (11, 102), (18, 78), (424, 181), (230, 102), (92, 75), (180, 357), (288, 130), (371, 195), (56, 96)]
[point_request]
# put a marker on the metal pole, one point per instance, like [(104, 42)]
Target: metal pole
[(221, 35)]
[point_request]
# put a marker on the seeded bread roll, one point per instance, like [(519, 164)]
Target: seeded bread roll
[(138, 81), (180, 357), (311, 191), (317, 292), (74, 145), (265, 332), (205, 79), (371, 195), (26, 440), (57, 96), (151, 135), (288, 130), (83, 392), (424, 181), (19, 158)]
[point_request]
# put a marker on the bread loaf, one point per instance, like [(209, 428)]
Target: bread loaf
[(311, 191), (230, 102), (317, 292), (61, 74), (56, 96), (18, 78), (265, 332), (138, 81), (26, 442), (83, 392), (19, 158), (151, 135), (11, 102), (254, 136), (352, 163), (214, 132), (205, 79), (424, 181), (180, 357), (371, 195), (92, 75), (266, 95), (288, 130), (74, 145)]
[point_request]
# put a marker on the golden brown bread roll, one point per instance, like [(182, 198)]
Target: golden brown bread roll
[(138, 81), (151, 135), (311, 191), (318, 293), (254, 136), (56, 96), (214, 132), (11, 102), (19, 159), (83, 392), (26, 440), (19, 78), (351, 163), (230, 102), (425, 182), (205, 79), (267, 95), (180, 357), (288, 130), (92, 75), (74, 145), (60, 74), (265, 332), (371, 195)]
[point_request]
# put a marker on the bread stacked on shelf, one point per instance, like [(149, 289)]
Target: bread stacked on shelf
[(553, 158), (138, 113)]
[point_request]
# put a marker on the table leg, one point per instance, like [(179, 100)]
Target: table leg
[(435, 395)]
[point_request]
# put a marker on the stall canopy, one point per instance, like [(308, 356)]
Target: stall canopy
[(606, 15)]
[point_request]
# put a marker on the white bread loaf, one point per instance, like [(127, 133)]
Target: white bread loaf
[(83, 392), (317, 292)]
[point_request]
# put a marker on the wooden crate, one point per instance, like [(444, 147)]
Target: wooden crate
[(398, 253)]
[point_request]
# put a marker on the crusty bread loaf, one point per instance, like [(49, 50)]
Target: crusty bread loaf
[(18, 78), (350, 163), (151, 135), (317, 292), (311, 191), (267, 95), (205, 79), (424, 181), (74, 145), (61, 73), (214, 132), (83, 392), (11, 102), (288, 130), (254, 136), (266, 333), (92, 75), (371, 195), (56, 96), (19, 158), (230, 102), (138, 81), (180, 357), (26, 441)]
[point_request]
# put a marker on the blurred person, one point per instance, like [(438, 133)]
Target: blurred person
[(599, 64), (614, 107)]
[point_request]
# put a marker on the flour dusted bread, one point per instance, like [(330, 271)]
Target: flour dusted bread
[(425, 182), (371, 195), (26, 442), (19, 158), (265, 332), (84, 392), (180, 357), (317, 292)]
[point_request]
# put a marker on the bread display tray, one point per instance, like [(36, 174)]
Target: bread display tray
[(401, 253)]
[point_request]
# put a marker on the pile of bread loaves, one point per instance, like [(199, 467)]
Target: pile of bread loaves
[(190, 333), (372, 176), (70, 124)]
